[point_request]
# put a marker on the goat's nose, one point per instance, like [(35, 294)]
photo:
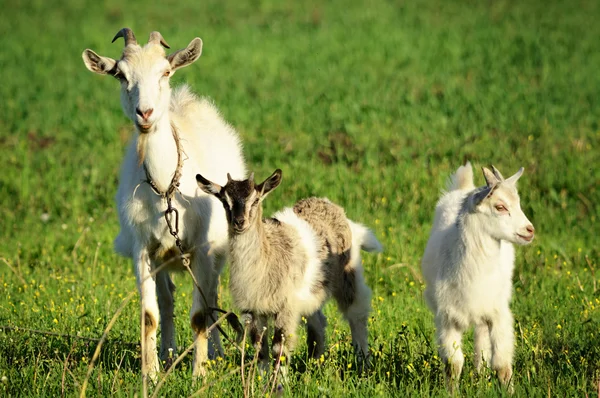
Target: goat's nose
[(144, 114), (530, 229)]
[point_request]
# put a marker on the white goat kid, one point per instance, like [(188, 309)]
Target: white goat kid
[(468, 265), (288, 266), (178, 135)]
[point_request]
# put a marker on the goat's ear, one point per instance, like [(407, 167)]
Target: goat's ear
[(270, 183), (99, 64), (490, 177), (497, 173), (186, 56), (513, 179), (207, 186), (482, 195)]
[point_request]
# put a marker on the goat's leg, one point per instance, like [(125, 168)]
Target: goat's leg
[(215, 348), (149, 311), (503, 346), (204, 297), (354, 300), (284, 338), (164, 292), (259, 337), (449, 336), (203, 272), (315, 334), (483, 346), (358, 316)]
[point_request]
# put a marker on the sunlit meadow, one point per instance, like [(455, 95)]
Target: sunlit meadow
[(371, 104)]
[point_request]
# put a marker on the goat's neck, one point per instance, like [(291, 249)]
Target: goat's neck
[(158, 151), (478, 244), (250, 246)]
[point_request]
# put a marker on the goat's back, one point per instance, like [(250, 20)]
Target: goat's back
[(444, 229), (207, 138), (459, 185), (329, 222)]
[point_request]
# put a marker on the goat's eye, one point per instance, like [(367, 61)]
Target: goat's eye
[(501, 208), (167, 73)]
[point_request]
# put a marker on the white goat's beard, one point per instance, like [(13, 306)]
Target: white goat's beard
[(142, 140)]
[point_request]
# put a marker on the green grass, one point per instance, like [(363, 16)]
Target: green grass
[(372, 105)]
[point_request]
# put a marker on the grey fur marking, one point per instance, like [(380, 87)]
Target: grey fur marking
[(269, 259)]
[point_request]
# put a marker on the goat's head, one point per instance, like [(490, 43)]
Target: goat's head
[(242, 199), (499, 203), (144, 74)]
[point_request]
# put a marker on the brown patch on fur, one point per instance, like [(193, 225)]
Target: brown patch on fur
[(331, 226), (161, 254), (199, 322), (142, 140), (346, 293), (150, 323)]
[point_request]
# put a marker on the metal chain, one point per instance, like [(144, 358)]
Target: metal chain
[(172, 219), (174, 231), (232, 318)]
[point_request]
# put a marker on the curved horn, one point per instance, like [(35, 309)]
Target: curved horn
[(126, 34), (156, 38)]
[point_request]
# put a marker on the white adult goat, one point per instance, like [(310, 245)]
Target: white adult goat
[(178, 136), (468, 266)]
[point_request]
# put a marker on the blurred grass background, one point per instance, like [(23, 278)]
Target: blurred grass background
[(372, 104)]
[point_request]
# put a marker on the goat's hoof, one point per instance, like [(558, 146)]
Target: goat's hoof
[(152, 377), (199, 372), (167, 363), (504, 374), (505, 378)]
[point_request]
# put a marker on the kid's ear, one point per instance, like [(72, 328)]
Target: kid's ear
[(207, 186), (270, 183), (515, 177), (491, 178), (483, 194), (497, 173)]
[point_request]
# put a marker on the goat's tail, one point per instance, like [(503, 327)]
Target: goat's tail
[(462, 179), (364, 238)]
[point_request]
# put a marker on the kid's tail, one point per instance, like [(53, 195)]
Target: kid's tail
[(364, 238), (462, 179)]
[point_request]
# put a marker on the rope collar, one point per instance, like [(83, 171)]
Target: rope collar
[(171, 214), (172, 218), (174, 185)]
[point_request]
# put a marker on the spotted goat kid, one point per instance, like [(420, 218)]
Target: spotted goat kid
[(468, 265), (287, 266)]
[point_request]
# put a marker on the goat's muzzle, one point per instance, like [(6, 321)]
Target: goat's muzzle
[(143, 128)]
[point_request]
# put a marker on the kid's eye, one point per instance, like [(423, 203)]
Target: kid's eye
[(501, 208), (167, 73)]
